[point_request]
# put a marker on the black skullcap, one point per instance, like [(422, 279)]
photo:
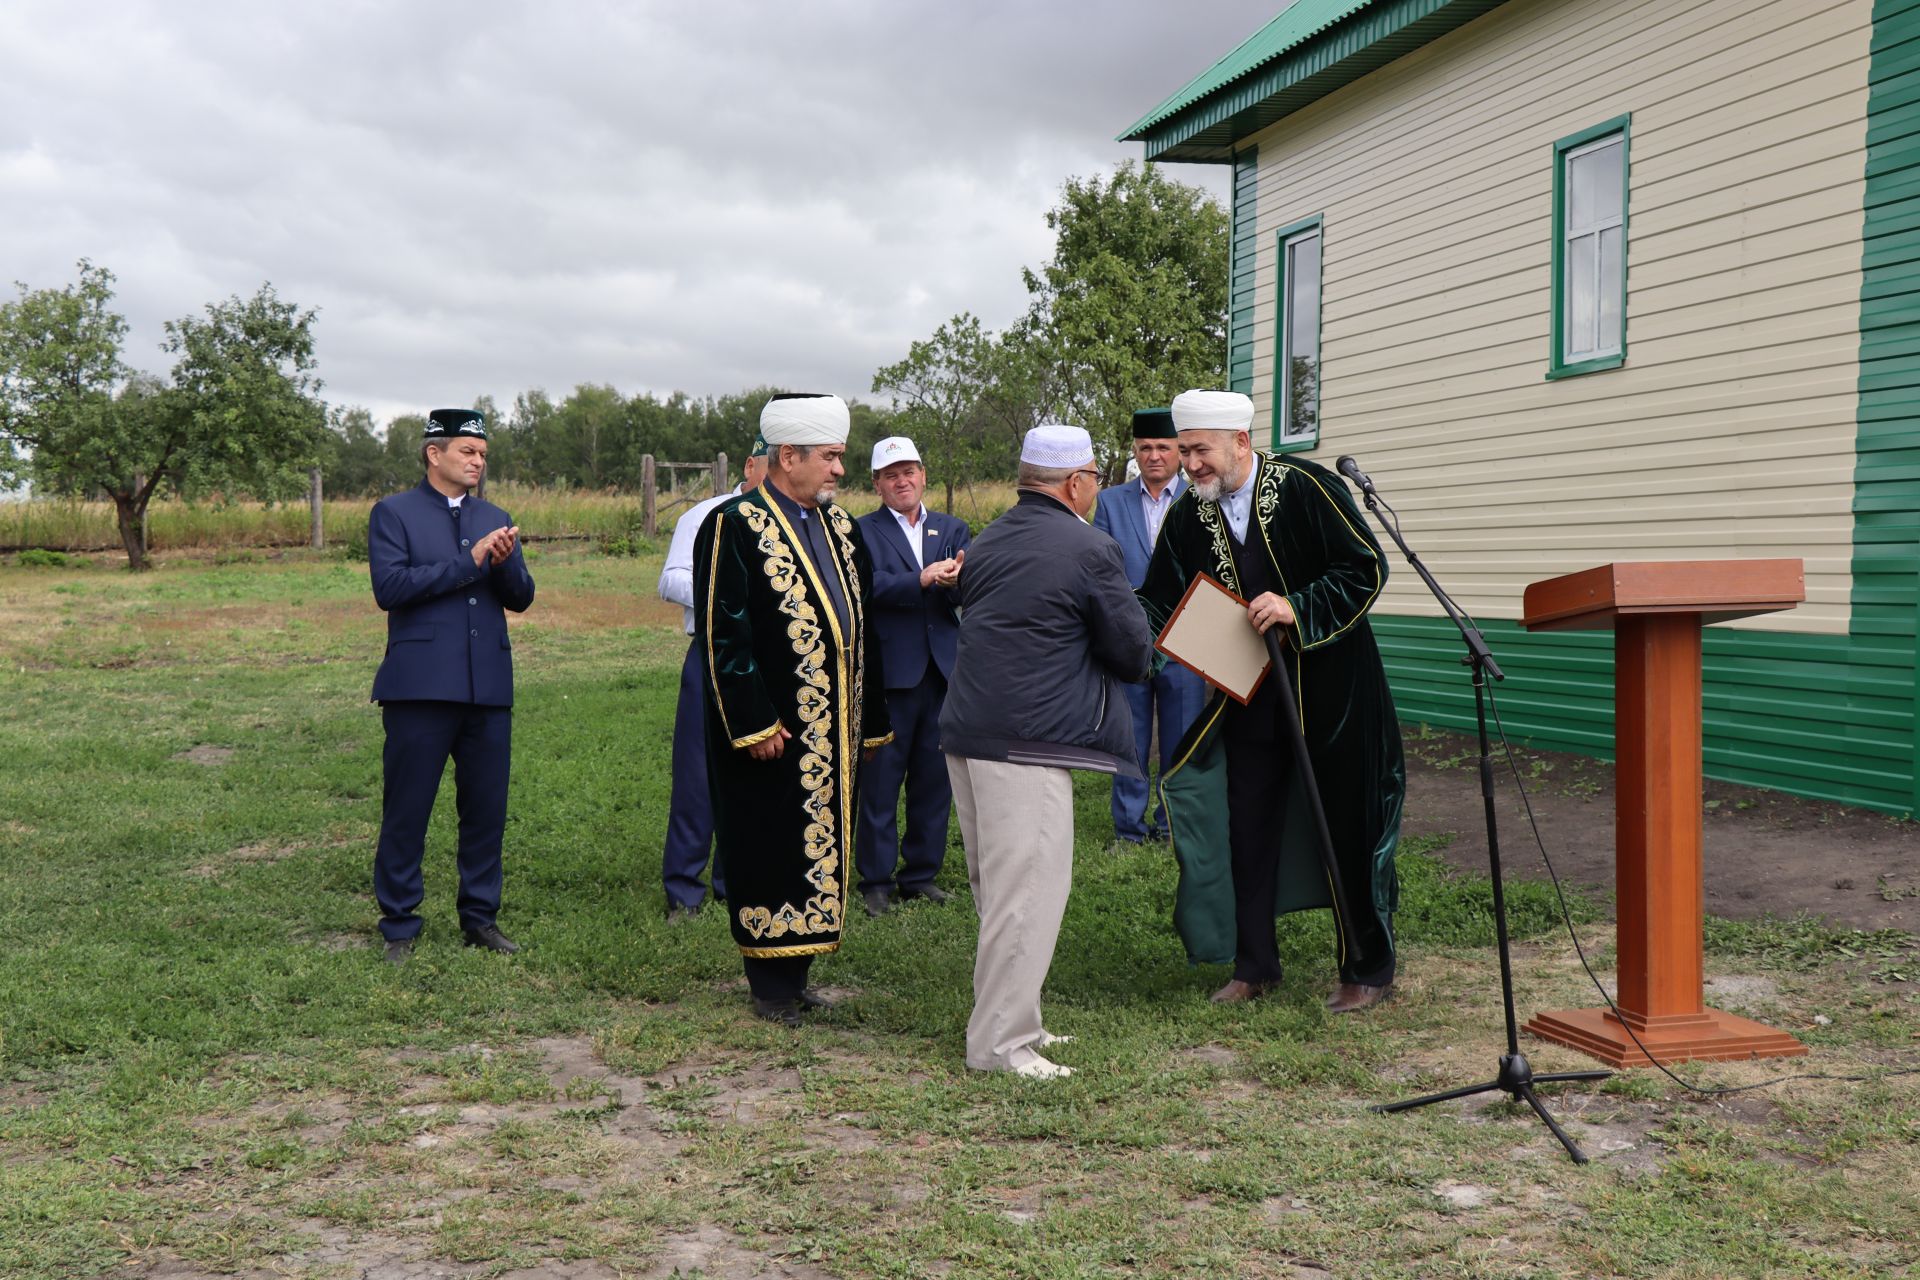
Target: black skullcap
[(1153, 424), (444, 424)]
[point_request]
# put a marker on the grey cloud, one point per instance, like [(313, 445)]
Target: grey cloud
[(491, 197)]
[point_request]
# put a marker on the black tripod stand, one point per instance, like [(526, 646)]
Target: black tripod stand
[(1516, 1077)]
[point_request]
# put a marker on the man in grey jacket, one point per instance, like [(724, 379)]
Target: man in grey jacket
[(1049, 631)]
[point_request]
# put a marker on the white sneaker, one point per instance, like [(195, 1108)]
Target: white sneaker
[(1047, 1040), (1041, 1069)]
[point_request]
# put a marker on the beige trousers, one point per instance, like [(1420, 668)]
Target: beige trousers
[(1017, 822)]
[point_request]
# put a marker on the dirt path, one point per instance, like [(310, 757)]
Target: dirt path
[(1766, 852)]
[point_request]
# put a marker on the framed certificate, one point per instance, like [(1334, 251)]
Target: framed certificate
[(1209, 635)]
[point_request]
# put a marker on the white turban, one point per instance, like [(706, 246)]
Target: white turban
[(1212, 411), (1058, 446), (805, 419)]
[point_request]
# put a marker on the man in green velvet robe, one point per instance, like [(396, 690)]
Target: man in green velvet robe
[(794, 699), (1285, 535)]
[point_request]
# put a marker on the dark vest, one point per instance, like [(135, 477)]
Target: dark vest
[(1259, 720)]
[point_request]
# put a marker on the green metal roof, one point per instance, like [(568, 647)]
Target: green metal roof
[(1299, 20), (1312, 48)]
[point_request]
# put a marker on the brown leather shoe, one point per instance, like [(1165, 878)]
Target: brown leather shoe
[(1238, 992), (1351, 997)]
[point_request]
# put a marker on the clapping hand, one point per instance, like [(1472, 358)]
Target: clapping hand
[(496, 547), (943, 573)]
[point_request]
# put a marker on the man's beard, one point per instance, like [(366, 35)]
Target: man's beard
[(823, 497), (1215, 489)]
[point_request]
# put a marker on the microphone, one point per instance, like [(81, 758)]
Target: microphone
[(1351, 470)]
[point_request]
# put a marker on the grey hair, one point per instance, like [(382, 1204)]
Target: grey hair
[(1033, 477)]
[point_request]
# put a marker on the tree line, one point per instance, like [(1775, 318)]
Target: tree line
[(1130, 310)]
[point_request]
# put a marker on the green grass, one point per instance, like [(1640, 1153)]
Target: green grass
[(203, 1059)]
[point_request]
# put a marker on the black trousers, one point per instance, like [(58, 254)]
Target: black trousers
[(914, 756), (1258, 773), (781, 978), (420, 737)]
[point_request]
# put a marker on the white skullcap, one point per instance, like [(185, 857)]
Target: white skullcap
[(805, 419), (1054, 444), (1212, 411), (894, 449)]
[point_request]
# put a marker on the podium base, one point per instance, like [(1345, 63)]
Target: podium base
[(1710, 1036)]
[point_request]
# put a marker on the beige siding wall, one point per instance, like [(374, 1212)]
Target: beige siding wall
[(1730, 430)]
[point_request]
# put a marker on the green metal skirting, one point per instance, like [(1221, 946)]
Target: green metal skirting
[(1829, 717), (1886, 502)]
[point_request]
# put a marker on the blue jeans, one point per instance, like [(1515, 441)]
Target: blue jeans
[(1176, 695)]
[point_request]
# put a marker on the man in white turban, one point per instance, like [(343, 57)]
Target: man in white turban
[(1049, 634), (1284, 534), (794, 699)]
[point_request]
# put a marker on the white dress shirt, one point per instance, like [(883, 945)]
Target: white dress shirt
[(1154, 510), (1238, 505), (913, 529), (676, 576)]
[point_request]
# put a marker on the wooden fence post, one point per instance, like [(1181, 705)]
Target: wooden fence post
[(648, 523), (720, 484), (318, 540)]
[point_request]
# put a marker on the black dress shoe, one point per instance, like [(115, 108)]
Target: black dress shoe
[(879, 900), (784, 1012), (678, 911), (490, 937), (931, 893), (811, 1000), (399, 951)]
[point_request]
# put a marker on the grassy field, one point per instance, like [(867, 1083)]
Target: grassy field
[(205, 1068), (70, 525)]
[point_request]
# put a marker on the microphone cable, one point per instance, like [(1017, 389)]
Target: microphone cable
[(1566, 913)]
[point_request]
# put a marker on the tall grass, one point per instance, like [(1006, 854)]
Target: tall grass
[(69, 524)]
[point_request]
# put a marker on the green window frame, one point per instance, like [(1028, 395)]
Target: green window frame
[(1589, 250), (1296, 341)]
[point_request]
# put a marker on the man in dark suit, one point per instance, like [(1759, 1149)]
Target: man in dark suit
[(444, 564), (917, 556), (1131, 514)]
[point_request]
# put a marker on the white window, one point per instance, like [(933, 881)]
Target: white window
[(1297, 380)]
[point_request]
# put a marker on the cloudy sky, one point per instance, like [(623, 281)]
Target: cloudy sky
[(487, 197)]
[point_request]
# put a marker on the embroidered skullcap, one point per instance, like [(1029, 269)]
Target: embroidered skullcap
[(445, 424), (805, 418), (759, 449), (1057, 445), (1212, 411)]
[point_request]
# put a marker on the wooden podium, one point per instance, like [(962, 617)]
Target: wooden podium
[(1656, 610)]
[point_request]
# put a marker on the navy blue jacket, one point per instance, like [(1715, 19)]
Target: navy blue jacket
[(914, 627), (446, 629), (1050, 631)]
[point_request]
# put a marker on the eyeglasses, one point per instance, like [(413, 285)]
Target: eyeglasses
[(1088, 472)]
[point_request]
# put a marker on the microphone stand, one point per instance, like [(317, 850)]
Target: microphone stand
[(1516, 1077)]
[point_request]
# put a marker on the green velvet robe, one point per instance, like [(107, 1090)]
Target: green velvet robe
[(1333, 570), (774, 654)]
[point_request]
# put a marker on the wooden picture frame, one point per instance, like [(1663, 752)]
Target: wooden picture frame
[(1203, 637)]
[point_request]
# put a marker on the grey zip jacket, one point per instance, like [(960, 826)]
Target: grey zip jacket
[(1049, 630)]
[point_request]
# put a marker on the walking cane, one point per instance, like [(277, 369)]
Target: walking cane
[(1290, 712)]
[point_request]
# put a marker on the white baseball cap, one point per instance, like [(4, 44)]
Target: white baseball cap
[(894, 449)]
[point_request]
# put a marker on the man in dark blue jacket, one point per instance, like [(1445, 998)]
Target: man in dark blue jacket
[(1050, 634), (917, 556), (444, 564)]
